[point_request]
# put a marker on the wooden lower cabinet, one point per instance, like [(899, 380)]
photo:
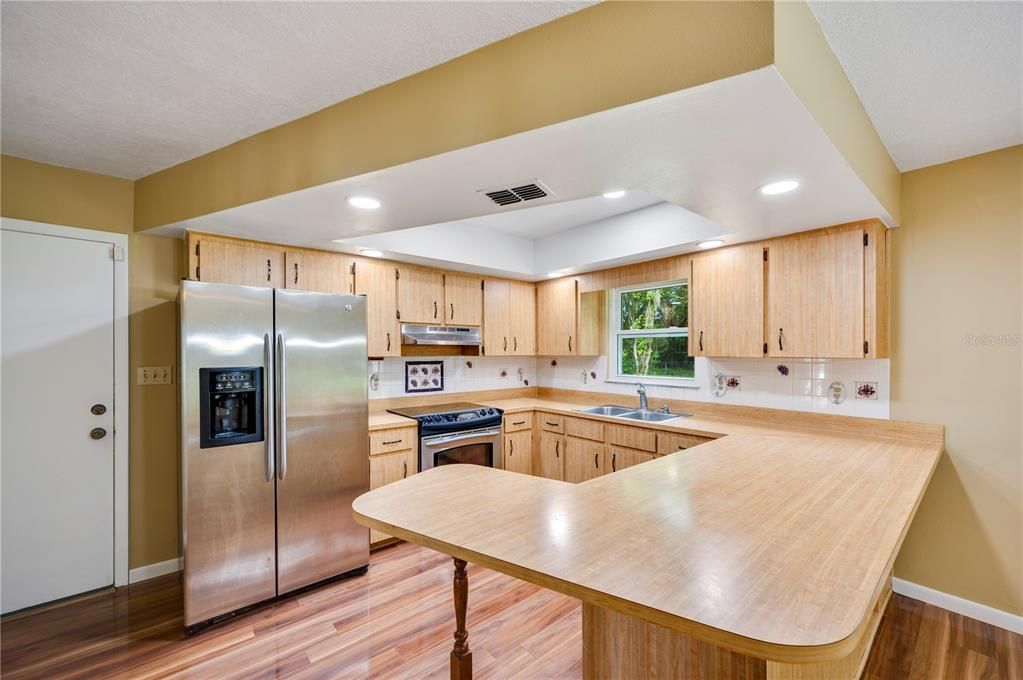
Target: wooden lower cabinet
[(618, 458), (584, 459), (552, 455), (385, 468), (518, 451)]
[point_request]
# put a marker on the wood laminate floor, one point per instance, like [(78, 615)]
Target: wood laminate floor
[(397, 621)]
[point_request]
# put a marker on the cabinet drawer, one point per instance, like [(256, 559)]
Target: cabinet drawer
[(670, 443), (397, 439), (586, 429), (518, 421), (552, 423), (632, 437)]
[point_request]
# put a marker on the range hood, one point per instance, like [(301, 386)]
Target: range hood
[(416, 334)]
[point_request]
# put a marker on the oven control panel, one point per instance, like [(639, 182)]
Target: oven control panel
[(461, 417)]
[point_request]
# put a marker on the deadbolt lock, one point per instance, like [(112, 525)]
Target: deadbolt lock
[(98, 409), (97, 433)]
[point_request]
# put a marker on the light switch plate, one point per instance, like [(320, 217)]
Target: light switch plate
[(153, 375)]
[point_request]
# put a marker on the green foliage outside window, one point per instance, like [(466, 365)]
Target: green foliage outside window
[(663, 351)]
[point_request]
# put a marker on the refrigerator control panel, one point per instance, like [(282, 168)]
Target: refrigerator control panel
[(230, 406)]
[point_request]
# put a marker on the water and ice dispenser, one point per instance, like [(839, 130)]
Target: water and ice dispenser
[(231, 406)]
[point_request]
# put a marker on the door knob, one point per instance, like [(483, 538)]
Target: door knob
[(98, 409), (97, 433)]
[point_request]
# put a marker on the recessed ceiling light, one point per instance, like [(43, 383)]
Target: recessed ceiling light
[(364, 202), (370, 252), (554, 275), (782, 187), (617, 193), (712, 243)]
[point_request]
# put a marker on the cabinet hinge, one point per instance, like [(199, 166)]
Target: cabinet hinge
[(765, 255), (866, 347), (765, 348), (866, 239)]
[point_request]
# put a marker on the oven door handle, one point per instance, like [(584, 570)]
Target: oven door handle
[(445, 439)]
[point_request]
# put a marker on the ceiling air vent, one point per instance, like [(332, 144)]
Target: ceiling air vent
[(517, 194)]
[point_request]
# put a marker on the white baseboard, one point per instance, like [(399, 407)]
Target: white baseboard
[(954, 603), (149, 571)]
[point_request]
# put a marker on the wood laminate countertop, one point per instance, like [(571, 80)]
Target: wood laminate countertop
[(771, 540)]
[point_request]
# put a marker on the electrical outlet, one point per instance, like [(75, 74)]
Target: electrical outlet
[(153, 375)]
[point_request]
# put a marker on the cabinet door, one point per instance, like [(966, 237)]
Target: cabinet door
[(386, 468), (518, 448), (618, 458), (245, 263), (726, 303), (496, 315), (552, 456), (815, 295), (584, 459), (463, 300), (522, 319), (318, 271), (377, 281), (556, 309), (420, 295)]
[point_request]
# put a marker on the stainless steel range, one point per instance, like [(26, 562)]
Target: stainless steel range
[(457, 433)]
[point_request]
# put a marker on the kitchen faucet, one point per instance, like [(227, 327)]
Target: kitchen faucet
[(641, 390)]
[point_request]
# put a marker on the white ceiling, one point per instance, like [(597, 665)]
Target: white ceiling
[(706, 150), (129, 88), (939, 80)]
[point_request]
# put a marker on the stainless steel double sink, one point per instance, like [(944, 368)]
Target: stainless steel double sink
[(632, 414)]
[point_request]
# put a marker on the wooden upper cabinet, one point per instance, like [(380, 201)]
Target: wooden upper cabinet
[(497, 317), (815, 284), (463, 300), (556, 317), (420, 295), (522, 318), (227, 260), (378, 282), (726, 302), (319, 271), (509, 318)]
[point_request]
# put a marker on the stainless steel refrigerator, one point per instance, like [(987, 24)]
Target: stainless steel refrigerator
[(274, 443)]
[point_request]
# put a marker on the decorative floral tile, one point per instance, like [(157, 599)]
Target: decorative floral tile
[(866, 390), (424, 376), (734, 382)]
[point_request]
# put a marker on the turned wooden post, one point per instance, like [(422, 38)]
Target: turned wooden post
[(461, 657)]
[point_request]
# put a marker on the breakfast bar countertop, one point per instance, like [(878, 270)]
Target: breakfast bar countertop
[(772, 540)]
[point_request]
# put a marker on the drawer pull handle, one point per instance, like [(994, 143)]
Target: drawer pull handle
[(520, 422), (614, 457), (396, 441), (452, 310), (515, 344), (506, 344), (701, 341), (404, 469), (551, 424), (595, 463), (435, 309), (781, 333), (388, 342), (570, 343), (557, 449), (511, 446), (268, 269)]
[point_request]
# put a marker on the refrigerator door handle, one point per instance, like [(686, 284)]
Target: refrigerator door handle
[(282, 409), (268, 404)]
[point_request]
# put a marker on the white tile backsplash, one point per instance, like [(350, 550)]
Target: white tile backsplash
[(485, 374), (805, 388)]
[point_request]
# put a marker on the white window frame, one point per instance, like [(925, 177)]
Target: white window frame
[(616, 333)]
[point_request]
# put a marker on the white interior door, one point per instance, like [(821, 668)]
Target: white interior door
[(57, 456)]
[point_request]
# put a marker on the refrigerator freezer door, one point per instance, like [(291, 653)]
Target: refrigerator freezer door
[(227, 502), (323, 457)]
